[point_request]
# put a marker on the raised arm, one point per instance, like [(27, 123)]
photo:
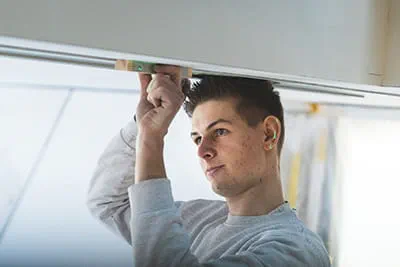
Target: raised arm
[(108, 198)]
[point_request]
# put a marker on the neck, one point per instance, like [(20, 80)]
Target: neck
[(258, 200)]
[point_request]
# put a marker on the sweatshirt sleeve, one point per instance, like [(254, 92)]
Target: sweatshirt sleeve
[(107, 197), (159, 238)]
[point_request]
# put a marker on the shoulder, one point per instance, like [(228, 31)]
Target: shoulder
[(292, 242)]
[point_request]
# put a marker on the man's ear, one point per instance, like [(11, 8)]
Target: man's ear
[(272, 132)]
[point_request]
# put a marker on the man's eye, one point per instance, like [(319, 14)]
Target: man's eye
[(220, 132), (197, 140)]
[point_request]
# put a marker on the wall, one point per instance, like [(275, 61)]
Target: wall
[(368, 177), (52, 226)]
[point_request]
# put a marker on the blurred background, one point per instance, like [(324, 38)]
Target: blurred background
[(335, 64), (339, 167)]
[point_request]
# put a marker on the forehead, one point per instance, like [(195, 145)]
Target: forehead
[(212, 110)]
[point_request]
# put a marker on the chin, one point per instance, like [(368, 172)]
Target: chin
[(223, 190)]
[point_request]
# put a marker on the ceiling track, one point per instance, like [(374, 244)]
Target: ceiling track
[(108, 63), (316, 89)]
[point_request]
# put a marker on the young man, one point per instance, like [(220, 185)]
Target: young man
[(237, 125)]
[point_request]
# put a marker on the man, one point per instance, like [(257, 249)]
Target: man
[(238, 127)]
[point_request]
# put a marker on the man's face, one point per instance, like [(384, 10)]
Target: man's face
[(231, 153)]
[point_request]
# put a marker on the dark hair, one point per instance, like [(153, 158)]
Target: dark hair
[(256, 98)]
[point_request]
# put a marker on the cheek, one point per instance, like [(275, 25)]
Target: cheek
[(249, 154)]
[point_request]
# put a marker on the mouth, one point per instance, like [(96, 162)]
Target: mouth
[(213, 170)]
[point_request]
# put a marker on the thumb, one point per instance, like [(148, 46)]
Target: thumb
[(144, 79)]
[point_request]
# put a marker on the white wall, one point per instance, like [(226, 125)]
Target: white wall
[(336, 40), (26, 117), (370, 233), (52, 226)]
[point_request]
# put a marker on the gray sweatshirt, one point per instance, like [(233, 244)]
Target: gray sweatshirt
[(164, 232)]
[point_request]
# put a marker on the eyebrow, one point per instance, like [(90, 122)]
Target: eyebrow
[(212, 125)]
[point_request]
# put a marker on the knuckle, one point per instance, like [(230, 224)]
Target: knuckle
[(163, 90), (156, 83)]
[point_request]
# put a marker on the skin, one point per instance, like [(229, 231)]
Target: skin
[(249, 178)]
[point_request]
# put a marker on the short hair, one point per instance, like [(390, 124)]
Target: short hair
[(257, 98)]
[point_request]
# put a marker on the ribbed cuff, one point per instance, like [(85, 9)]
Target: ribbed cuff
[(151, 195)]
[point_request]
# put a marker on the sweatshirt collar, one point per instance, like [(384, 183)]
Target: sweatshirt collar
[(249, 220)]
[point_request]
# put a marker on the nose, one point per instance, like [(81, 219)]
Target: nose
[(206, 150)]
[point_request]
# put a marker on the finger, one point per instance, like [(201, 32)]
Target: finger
[(154, 100), (173, 71), (144, 80), (162, 93), (154, 83), (160, 79)]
